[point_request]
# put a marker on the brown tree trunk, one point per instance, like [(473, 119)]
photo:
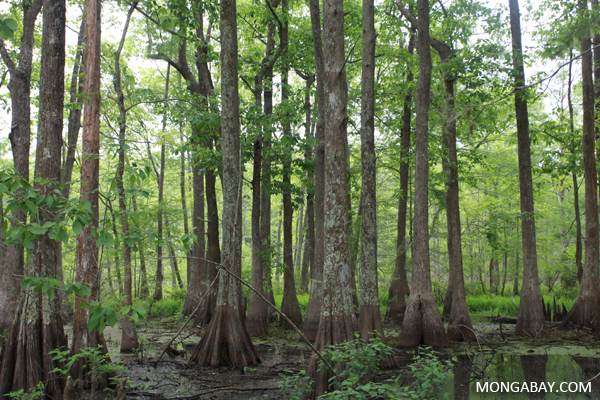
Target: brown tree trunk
[(338, 321), (129, 340), (516, 281), (315, 302), (370, 317), (578, 244), (19, 87), (87, 251), (226, 341), (399, 286), (422, 322), (308, 257), (459, 327), (586, 309), (265, 196), (74, 114), (193, 277), (530, 321), (158, 290), (256, 320), (38, 327), (289, 302)]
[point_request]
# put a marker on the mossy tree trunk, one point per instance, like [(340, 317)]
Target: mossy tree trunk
[(38, 326), (19, 86), (226, 341), (338, 320), (315, 302), (370, 317)]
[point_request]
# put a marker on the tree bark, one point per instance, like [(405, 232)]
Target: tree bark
[(338, 321), (129, 340), (370, 317), (530, 321), (308, 257), (399, 286), (265, 196), (578, 244), (38, 326), (19, 87), (226, 341), (74, 114), (459, 327), (422, 323), (87, 251), (158, 291), (315, 302), (256, 320), (289, 302), (586, 309)]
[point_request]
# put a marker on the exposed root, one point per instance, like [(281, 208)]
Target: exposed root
[(226, 342)]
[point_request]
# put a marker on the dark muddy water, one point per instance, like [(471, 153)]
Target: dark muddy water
[(526, 376)]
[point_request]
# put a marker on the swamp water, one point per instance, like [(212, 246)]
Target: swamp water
[(502, 375)]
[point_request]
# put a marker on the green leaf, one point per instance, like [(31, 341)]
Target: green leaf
[(37, 230), (84, 305), (77, 227), (63, 235), (11, 24), (31, 207)]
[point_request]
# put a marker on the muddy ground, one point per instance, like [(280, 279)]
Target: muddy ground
[(283, 351)]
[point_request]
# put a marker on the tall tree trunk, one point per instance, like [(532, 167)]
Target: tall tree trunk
[(74, 114), (38, 326), (308, 258), (586, 309), (256, 320), (578, 244), (422, 323), (300, 224), (265, 196), (158, 292), (315, 302), (129, 340), (226, 341), (459, 327), (87, 251), (289, 302), (399, 286), (19, 87), (193, 277), (370, 317), (338, 321), (530, 321)]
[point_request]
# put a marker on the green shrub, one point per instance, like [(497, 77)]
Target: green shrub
[(168, 306), (361, 361)]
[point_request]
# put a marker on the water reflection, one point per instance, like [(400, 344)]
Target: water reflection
[(516, 377)]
